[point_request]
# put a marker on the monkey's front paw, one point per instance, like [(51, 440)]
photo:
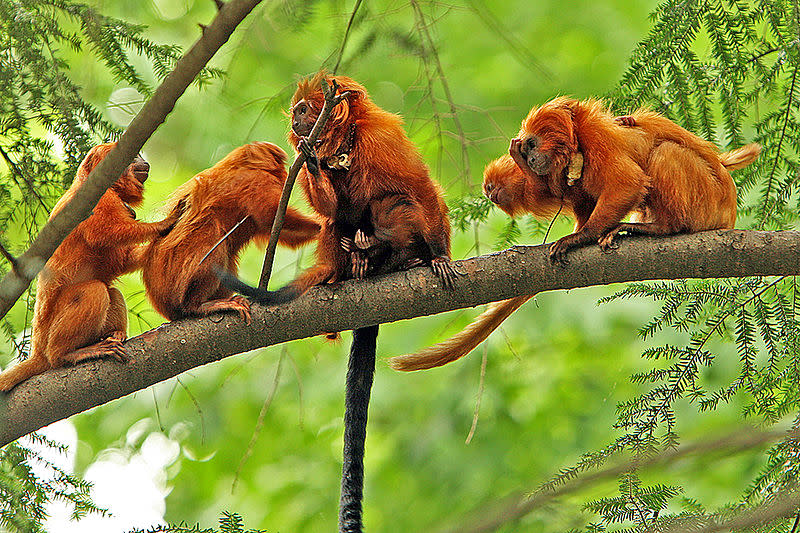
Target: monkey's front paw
[(348, 244), (558, 252), (444, 269), (112, 346), (312, 161)]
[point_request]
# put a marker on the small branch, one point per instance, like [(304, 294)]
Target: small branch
[(487, 520), (16, 170), (173, 348), (152, 114), (10, 258), (346, 35), (331, 101)]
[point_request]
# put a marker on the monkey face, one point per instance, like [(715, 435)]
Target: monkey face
[(538, 160), (140, 169), (303, 118), (503, 184)]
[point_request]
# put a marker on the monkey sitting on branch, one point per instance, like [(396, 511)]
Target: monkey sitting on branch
[(669, 179), (238, 195), (78, 314)]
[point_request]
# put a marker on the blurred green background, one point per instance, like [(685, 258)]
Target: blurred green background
[(555, 371)]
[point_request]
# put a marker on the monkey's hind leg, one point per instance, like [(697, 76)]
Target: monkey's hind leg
[(91, 324), (607, 243)]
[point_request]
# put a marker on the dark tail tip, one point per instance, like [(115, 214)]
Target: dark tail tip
[(264, 297)]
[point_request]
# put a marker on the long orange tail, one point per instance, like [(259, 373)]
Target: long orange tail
[(22, 371), (462, 343), (741, 157)]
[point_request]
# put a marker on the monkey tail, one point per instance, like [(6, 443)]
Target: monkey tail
[(262, 296), (462, 343), (741, 157), (360, 371), (22, 371)]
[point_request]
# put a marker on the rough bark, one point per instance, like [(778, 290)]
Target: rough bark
[(152, 114), (185, 344)]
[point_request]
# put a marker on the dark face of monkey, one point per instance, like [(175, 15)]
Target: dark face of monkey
[(539, 162), (303, 118), (140, 169)]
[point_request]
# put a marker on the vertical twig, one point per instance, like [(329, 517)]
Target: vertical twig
[(331, 100)]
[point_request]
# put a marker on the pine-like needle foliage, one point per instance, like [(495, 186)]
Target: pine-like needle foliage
[(726, 70), (41, 106), (28, 481), (228, 523)]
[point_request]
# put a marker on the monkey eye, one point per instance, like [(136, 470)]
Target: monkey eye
[(488, 187), (530, 142), (301, 108)]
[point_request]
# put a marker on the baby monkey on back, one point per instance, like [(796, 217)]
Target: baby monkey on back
[(668, 179)]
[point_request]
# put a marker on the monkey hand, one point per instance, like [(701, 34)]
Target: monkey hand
[(163, 227), (363, 241), (607, 243), (444, 269), (559, 249), (625, 120), (312, 161), (515, 151), (348, 244)]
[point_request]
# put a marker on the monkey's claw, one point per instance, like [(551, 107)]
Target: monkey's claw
[(625, 120), (558, 253), (607, 242), (443, 268), (348, 244), (359, 265)]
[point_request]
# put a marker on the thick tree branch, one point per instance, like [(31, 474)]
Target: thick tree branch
[(140, 129), (179, 346)]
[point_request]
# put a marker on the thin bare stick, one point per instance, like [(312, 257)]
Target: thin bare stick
[(149, 118), (491, 519), (260, 422), (346, 35), (222, 239), (331, 101)]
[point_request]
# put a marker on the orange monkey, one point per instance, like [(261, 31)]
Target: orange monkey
[(247, 182), (671, 180), (78, 315)]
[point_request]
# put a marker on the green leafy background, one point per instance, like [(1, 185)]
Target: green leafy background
[(555, 372)]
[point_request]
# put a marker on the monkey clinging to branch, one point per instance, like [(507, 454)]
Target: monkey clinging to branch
[(179, 279), (78, 315), (643, 164)]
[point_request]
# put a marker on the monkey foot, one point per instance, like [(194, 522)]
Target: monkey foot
[(359, 265), (237, 303), (444, 269), (625, 120), (411, 263), (607, 243), (112, 346), (363, 241)]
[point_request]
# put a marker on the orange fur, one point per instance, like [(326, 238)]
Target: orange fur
[(247, 182), (78, 315), (669, 179), (383, 164)]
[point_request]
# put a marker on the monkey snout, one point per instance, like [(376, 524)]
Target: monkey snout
[(141, 169)]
